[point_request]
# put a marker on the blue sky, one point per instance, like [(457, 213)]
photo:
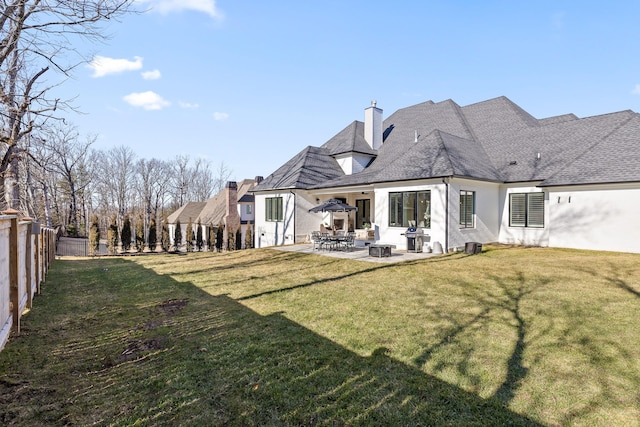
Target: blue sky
[(252, 83)]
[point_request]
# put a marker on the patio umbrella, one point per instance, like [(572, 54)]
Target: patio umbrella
[(333, 205)]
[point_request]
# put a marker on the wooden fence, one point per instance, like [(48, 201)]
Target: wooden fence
[(26, 252)]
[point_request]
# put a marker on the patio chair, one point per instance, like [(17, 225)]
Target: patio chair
[(316, 240), (325, 241), (350, 241)]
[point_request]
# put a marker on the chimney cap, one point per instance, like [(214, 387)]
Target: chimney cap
[(374, 103), (232, 184)]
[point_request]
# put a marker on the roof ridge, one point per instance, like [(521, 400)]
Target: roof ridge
[(588, 149), (438, 136), (614, 130), (609, 114), (460, 114)]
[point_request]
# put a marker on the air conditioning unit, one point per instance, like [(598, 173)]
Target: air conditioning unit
[(472, 248)]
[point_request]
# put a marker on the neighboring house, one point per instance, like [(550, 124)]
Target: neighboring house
[(233, 207), (486, 172)]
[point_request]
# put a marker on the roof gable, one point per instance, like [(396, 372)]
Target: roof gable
[(350, 139), (306, 169)]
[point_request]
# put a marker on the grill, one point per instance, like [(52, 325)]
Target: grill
[(415, 239)]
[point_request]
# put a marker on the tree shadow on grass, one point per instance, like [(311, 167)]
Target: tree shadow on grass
[(175, 355), (509, 300)]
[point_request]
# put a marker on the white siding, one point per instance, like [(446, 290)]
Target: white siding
[(598, 218), (242, 212), (393, 235), (274, 233), (352, 163), (486, 221), (522, 235)]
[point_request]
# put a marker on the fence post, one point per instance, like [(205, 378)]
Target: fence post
[(28, 262), (6, 311), (14, 299)]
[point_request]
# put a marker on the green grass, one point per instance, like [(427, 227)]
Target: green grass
[(522, 336)]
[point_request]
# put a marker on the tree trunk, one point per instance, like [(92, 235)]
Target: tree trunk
[(11, 185), (47, 205), (73, 209)]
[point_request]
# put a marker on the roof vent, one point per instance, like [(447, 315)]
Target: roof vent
[(513, 163)]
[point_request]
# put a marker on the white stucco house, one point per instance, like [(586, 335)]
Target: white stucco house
[(486, 172)]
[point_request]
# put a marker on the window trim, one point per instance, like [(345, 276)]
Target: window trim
[(399, 197), (464, 210), (269, 214), (527, 213)]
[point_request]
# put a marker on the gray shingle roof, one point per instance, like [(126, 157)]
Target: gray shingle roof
[(350, 139), (613, 159), (492, 140), (306, 169)]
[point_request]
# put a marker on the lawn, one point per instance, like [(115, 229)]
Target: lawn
[(520, 336)]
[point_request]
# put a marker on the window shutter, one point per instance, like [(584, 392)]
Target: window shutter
[(535, 210), (280, 213), (517, 210)]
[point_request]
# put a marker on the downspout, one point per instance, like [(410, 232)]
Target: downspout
[(294, 217), (446, 217)]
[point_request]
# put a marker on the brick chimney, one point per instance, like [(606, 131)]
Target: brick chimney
[(373, 126), (231, 218)]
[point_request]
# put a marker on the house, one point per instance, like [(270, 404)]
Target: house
[(233, 207), (486, 172)]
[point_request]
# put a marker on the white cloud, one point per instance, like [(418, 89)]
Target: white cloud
[(151, 75), (188, 105), (168, 6), (148, 100), (636, 90), (102, 66), (220, 116)]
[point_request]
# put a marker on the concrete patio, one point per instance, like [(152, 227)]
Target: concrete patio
[(360, 253)]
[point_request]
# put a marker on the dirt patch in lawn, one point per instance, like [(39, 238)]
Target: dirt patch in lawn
[(171, 306)]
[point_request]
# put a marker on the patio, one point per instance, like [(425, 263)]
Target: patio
[(360, 253)]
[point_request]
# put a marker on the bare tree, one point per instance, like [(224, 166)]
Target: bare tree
[(202, 182), (160, 188), (69, 154), (152, 184), (116, 179), (222, 176), (35, 40), (181, 180)]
